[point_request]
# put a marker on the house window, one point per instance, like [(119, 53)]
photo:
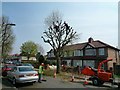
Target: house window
[(68, 62), (71, 53), (78, 53), (65, 54), (77, 63), (90, 63), (90, 52), (81, 52), (68, 53), (101, 51)]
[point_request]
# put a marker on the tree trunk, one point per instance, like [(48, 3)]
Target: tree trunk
[(28, 57), (58, 65)]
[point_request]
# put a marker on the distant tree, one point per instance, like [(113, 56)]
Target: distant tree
[(58, 35), (7, 37), (40, 58), (29, 49)]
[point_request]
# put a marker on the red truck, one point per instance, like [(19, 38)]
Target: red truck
[(98, 76)]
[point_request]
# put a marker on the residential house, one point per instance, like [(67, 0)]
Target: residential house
[(22, 58), (88, 54)]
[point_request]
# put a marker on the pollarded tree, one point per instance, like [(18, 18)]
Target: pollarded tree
[(29, 49), (58, 35)]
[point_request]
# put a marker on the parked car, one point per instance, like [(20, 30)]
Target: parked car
[(22, 74), (8, 62), (28, 64), (16, 62), (6, 68)]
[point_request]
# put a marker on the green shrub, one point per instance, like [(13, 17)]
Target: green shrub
[(46, 62), (54, 63), (48, 72), (34, 63)]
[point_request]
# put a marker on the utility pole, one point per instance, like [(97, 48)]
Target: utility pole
[(4, 38)]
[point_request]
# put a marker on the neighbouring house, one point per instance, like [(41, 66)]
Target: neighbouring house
[(15, 57), (88, 54), (22, 58)]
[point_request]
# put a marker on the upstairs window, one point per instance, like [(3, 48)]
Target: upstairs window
[(90, 52), (78, 53), (65, 54), (101, 51)]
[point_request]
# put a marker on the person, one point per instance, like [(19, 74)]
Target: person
[(78, 69), (40, 72), (112, 72)]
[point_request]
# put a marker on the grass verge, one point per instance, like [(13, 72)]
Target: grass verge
[(66, 76), (117, 76)]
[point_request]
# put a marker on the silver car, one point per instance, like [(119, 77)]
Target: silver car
[(22, 74), (27, 64)]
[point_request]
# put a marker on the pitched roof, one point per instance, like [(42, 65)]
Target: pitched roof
[(94, 44), (75, 46), (91, 42)]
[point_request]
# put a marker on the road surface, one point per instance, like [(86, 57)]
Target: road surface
[(51, 83)]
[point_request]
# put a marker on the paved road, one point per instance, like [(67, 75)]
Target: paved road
[(51, 83)]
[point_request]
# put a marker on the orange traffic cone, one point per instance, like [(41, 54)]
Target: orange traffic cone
[(54, 74), (72, 78)]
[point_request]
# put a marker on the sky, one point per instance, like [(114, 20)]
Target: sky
[(98, 20)]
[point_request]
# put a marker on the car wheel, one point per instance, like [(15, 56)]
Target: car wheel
[(14, 81), (95, 82)]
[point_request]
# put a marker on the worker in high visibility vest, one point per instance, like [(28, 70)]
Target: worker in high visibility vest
[(40, 72)]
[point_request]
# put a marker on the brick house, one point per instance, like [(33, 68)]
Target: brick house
[(88, 54)]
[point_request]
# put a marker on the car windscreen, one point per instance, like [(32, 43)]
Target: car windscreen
[(24, 69)]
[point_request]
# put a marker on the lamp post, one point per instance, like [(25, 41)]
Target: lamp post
[(4, 31)]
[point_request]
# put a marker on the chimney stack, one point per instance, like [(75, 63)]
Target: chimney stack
[(90, 40)]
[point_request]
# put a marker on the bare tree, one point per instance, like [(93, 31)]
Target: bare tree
[(53, 17), (58, 35), (7, 37)]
